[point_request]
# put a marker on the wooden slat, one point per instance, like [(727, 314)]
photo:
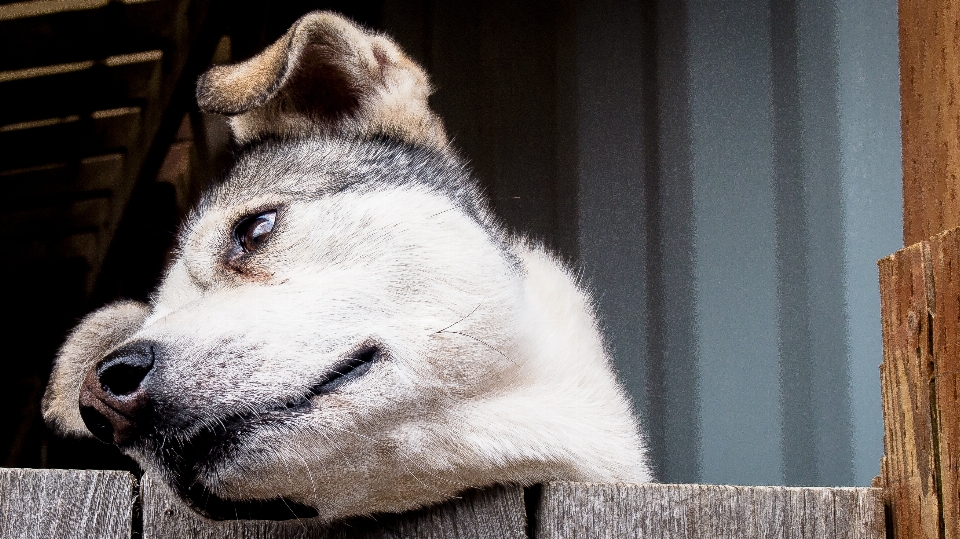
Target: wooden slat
[(97, 173), (74, 215), (930, 116), (51, 32), (80, 87), (84, 504), (492, 513), (187, 19), (37, 8), (572, 510), (73, 137), (83, 245)]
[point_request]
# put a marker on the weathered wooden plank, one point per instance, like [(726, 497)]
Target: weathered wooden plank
[(53, 250), (80, 87), (52, 32), (911, 468), (87, 504), (492, 513), (945, 390), (571, 510), (930, 116), (61, 218), (73, 137), (97, 173)]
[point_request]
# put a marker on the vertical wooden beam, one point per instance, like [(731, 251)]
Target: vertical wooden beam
[(945, 390), (920, 285), (920, 376), (908, 467), (929, 77)]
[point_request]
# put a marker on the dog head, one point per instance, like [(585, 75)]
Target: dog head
[(344, 328)]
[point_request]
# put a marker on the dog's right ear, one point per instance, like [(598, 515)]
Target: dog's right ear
[(325, 75), (95, 335)]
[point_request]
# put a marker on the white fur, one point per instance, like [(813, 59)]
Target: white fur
[(494, 370), (495, 375)]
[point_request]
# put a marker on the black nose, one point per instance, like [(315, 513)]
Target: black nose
[(122, 371), (112, 397)]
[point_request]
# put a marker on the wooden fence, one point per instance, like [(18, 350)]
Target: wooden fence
[(94, 504)]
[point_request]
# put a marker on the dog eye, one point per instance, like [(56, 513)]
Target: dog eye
[(252, 231)]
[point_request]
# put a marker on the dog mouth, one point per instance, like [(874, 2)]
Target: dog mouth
[(184, 464), (349, 369)]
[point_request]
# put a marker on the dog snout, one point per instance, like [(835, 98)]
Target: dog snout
[(112, 396)]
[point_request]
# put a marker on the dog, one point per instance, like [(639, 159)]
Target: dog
[(345, 328)]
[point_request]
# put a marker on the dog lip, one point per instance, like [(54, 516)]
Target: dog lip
[(212, 444), (347, 370), (341, 373), (202, 500)]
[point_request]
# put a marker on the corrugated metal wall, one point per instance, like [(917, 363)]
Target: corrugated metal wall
[(726, 175), (777, 165)]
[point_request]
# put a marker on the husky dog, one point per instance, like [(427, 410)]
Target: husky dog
[(345, 329)]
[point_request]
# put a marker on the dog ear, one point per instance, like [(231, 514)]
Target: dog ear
[(325, 75), (88, 343)]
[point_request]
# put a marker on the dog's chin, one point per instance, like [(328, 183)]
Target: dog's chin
[(212, 506), (192, 467), (191, 473)]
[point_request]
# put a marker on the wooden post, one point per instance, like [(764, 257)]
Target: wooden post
[(930, 116), (920, 285), (908, 465), (920, 379)]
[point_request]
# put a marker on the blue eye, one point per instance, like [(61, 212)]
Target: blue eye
[(252, 231)]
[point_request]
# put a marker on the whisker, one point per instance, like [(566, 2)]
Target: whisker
[(481, 341), (441, 212), (462, 319), (308, 469)]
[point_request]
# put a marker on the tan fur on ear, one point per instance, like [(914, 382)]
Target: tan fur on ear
[(96, 335), (325, 75)]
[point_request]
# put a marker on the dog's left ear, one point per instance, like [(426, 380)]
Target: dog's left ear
[(325, 75)]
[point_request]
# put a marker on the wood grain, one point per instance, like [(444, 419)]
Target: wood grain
[(45, 33), (930, 116), (910, 472), (945, 390), (492, 513), (87, 504), (920, 383), (100, 504), (574, 510)]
